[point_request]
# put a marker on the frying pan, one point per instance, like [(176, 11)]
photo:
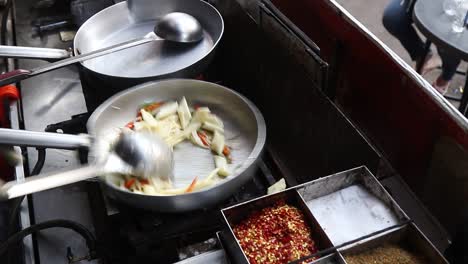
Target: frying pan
[(152, 61), (245, 133)]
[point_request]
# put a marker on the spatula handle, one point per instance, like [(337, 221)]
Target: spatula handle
[(43, 182), (25, 138)]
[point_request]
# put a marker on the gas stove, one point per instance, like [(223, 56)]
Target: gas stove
[(129, 235), (279, 69), (146, 237), (126, 235)]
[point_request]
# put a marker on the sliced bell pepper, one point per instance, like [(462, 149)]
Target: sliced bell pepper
[(203, 138), (192, 185), (226, 151), (152, 106), (130, 125), (129, 183), (144, 181)]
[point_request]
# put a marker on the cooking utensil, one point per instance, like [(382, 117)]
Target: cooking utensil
[(245, 133), (176, 27), (141, 154), (156, 60)]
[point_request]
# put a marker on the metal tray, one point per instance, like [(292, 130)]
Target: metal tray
[(350, 210), (408, 236), (351, 204), (335, 258), (233, 215)]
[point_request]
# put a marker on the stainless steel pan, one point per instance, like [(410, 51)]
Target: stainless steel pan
[(139, 64), (245, 132)]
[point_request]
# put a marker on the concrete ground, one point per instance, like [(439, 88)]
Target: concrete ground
[(373, 21)]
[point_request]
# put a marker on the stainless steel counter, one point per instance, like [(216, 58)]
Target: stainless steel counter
[(46, 99)]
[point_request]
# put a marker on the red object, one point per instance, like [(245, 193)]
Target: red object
[(153, 106), (130, 125), (226, 151), (192, 185), (275, 235), (203, 138), (8, 93), (129, 183), (144, 181)]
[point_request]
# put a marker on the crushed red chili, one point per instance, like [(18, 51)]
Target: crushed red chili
[(276, 234)]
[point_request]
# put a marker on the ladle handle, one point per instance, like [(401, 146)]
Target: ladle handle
[(25, 138), (43, 182), (33, 53), (12, 77)]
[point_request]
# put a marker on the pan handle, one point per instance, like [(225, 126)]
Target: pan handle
[(14, 76), (33, 53), (16, 137), (33, 184)]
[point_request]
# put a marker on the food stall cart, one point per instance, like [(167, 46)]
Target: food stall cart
[(299, 63)]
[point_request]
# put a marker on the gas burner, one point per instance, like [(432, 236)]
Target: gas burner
[(164, 237), (75, 125)]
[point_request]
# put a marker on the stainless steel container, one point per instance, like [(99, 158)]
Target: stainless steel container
[(408, 237), (351, 204), (235, 214), (350, 210)]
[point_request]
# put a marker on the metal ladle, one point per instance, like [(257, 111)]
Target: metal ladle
[(176, 27), (141, 154)]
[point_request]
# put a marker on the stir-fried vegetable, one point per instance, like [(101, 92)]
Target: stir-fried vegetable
[(167, 109), (130, 125), (192, 185), (129, 183), (212, 127), (217, 144), (152, 107), (221, 164), (175, 122), (204, 138), (184, 113)]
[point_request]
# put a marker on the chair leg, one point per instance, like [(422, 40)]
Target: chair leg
[(464, 100), (420, 62)]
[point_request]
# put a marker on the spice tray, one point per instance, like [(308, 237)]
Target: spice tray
[(408, 237), (235, 214), (351, 204), (347, 212)]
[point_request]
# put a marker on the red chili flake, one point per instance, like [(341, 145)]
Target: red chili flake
[(277, 234)]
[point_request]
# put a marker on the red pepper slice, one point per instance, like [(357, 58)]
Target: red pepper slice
[(129, 183), (130, 125), (192, 185), (203, 138), (144, 181), (226, 151), (153, 106)]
